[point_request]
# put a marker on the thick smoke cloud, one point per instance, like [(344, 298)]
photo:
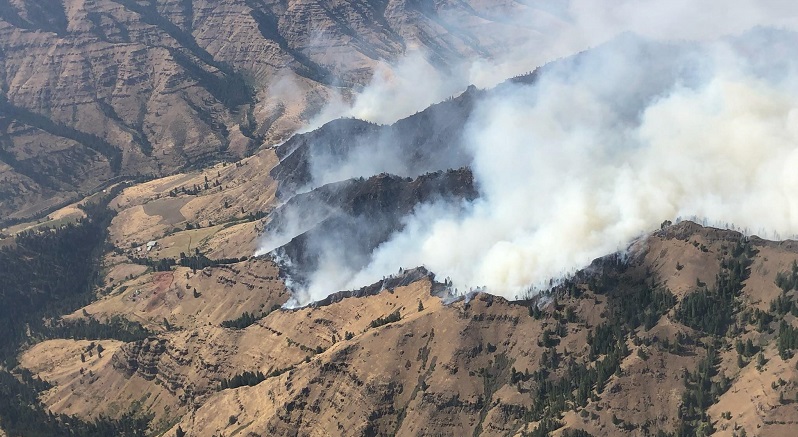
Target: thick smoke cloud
[(603, 147), (599, 152)]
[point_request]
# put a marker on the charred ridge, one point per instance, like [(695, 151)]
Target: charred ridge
[(433, 138), (430, 141), (688, 229), (363, 213), (406, 277), (335, 139), (378, 193)]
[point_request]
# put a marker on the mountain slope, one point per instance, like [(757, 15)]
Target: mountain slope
[(492, 367), (91, 91), (622, 348)]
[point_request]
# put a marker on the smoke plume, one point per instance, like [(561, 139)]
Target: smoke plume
[(602, 147), (540, 31)]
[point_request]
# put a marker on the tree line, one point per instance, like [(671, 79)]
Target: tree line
[(46, 273)]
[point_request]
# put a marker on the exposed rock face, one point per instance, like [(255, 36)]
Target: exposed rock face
[(189, 365), (92, 90), (175, 365), (141, 357)]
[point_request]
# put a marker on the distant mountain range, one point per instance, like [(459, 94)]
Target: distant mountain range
[(92, 92)]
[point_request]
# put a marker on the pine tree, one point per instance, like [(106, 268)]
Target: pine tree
[(749, 348)]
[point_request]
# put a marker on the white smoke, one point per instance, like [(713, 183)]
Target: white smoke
[(536, 32), (580, 164), (604, 148)]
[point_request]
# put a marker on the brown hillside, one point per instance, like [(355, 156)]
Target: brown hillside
[(93, 91), (476, 366)]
